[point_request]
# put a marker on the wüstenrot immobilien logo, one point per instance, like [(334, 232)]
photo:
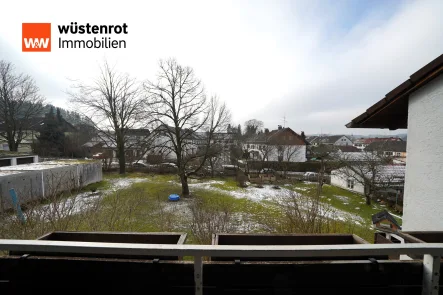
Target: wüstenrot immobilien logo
[(36, 37)]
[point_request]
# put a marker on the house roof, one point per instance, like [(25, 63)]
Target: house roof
[(272, 136), (348, 148), (374, 139), (328, 139), (276, 132), (384, 215), (311, 138), (391, 146), (392, 110)]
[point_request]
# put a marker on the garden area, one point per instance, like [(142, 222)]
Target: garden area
[(138, 202)]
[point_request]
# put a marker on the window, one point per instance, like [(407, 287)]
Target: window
[(398, 154), (389, 153), (350, 183)]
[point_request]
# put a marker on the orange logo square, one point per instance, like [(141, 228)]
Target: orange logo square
[(36, 37)]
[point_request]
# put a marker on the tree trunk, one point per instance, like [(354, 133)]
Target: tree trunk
[(212, 168), (368, 199), (12, 146), (185, 187), (121, 155), (321, 178), (367, 193)]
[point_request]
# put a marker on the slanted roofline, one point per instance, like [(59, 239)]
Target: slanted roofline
[(392, 111)]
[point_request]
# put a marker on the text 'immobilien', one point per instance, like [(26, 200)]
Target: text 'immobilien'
[(95, 42)]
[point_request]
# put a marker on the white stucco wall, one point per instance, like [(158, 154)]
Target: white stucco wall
[(296, 153), (423, 198), (340, 180)]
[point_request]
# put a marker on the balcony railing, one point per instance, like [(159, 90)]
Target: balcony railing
[(431, 263)]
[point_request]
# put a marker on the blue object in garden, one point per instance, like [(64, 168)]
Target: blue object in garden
[(174, 197), (16, 205)]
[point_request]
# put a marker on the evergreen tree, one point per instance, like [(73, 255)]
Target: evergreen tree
[(59, 116), (52, 137)]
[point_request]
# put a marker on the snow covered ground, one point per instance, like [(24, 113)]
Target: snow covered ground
[(269, 193)]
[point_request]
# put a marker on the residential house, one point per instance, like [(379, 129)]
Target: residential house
[(416, 104), (331, 140), (282, 144), (362, 143), (389, 178), (136, 144), (395, 149)]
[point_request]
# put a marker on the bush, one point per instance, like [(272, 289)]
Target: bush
[(208, 218)]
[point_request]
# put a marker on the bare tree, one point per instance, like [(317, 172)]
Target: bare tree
[(253, 126), (287, 154), (324, 154), (20, 103), (186, 120), (113, 103), (373, 171)]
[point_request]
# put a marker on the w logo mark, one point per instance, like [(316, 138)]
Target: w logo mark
[(36, 37), (36, 43)]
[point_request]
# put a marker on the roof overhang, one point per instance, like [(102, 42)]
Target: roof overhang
[(392, 111)]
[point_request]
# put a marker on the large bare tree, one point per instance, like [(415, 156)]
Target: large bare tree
[(20, 104), (185, 119), (113, 103)]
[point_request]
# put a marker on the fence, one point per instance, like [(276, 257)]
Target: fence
[(36, 181), (430, 264)]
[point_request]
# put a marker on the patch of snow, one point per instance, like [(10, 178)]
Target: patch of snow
[(342, 198), (301, 188), (120, 183)]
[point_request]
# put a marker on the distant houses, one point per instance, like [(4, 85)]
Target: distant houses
[(338, 140), (362, 143), (396, 149)]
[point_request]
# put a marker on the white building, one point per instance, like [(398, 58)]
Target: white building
[(417, 104), (386, 177)]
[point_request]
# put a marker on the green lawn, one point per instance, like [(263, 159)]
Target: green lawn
[(142, 205), (345, 200)]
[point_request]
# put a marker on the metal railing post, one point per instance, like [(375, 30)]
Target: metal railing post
[(198, 275), (431, 274)]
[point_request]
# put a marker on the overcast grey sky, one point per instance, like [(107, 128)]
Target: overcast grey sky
[(318, 63)]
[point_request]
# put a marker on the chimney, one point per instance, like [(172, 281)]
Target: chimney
[(279, 127)]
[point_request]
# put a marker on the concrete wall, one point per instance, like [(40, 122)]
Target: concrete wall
[(38, 181), (341, 180), (423, 198)]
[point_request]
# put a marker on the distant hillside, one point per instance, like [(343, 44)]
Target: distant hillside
[(72, 117)]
